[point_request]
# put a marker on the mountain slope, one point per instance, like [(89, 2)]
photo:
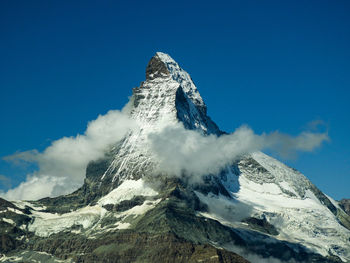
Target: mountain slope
[(285, 199), (127, 211), (345, 204)]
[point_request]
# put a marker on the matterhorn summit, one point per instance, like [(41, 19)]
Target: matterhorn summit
[(168, 96), (133, 208)]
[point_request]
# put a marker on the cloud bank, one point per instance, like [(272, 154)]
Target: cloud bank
[(179, 152), (62, 165), (182, 151)]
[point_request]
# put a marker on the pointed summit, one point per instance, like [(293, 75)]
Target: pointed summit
[(156, 68), (168, 96), (169, 90), (182, 77)]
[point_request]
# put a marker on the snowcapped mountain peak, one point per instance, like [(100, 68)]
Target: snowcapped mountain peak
[(163, 65), (165, 57), (168, 96), (127, 209), (169, 93)]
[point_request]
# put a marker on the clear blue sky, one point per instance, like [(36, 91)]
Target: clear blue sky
[(274, 65)]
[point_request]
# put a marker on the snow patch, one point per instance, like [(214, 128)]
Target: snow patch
[(15, 211), (126, 191), (46, 224), (23, 204), (8, 220), (139, 209), (121, 225)]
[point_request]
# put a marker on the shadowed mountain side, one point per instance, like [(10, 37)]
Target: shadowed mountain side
[(345, 204)]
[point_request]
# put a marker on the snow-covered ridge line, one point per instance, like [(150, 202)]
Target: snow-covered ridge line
[(183, 78), (266, 188)]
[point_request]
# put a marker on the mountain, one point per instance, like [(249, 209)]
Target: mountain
[(254, 210)]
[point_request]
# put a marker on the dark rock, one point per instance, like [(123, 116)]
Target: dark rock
[(7, 243), (324, 199), (126, 204), (183, 105), (345, 205), (4, 204), (11, 236), (156, 68), (131, 246), (261, 225)]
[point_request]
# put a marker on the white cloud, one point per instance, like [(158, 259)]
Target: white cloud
[(287, 146), (36, 187), (62, 165), (179, 151), (182, 151)]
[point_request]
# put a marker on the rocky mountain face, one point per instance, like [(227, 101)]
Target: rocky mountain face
[(345, 204), (255, 210)]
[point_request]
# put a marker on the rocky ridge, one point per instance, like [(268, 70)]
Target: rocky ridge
[(345, 204)]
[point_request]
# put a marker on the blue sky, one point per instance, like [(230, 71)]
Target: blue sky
[(274, 65)]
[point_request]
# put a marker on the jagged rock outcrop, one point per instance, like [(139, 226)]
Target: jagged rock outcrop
[(13, 226)]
